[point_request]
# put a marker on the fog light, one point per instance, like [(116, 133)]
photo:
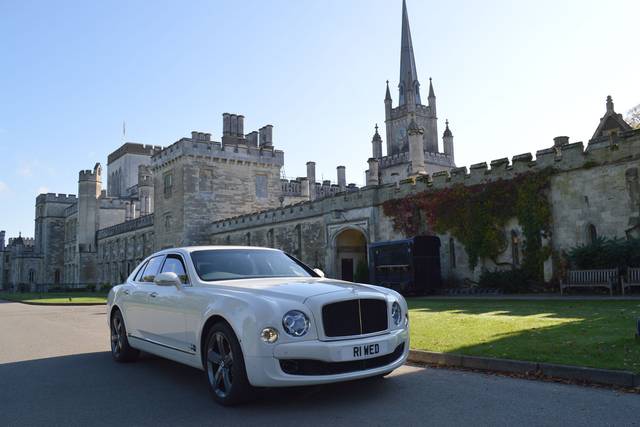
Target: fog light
[(269, 335)]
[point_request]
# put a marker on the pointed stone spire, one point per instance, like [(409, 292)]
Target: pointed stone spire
[(432, 94), (376, 143), (408, 73), (387, 96)]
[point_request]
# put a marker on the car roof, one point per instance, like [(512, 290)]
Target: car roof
[(189, 249)]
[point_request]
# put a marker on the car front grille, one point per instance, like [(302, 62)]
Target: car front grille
[(319, 367), (354, 317)]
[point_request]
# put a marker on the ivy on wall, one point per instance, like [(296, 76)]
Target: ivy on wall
[(477, 215)]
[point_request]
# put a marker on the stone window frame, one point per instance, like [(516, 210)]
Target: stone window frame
[(167, 180), (592, 233), (515, 248)]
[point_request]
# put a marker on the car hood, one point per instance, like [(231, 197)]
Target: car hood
[(299, 289)]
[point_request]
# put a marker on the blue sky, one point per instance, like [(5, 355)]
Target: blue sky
[(508, 75)]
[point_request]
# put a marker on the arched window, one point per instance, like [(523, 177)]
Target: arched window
[(56, 277), (452, 253), (32, 276), (271, 238), (592, 233), (248, 239), (515, 248)]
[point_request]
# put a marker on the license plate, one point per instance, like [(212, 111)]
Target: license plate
[(366, 351)]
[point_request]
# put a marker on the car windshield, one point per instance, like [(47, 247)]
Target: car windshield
[(229, 264)]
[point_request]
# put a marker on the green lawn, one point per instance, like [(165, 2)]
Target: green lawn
[(598, 334), (57, 297)]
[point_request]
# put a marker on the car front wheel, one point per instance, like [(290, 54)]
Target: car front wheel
[(225, 369)]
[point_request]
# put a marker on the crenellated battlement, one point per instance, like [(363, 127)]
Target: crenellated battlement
[(568, 157), (56, 198), (216, 151), (135, 149)]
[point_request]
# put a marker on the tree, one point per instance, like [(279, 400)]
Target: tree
[(633, 117)]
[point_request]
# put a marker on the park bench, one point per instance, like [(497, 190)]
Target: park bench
[(632, 279), (590, 279)]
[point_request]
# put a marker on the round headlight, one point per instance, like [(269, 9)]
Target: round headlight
[(396, 313), (269, 335), (295, 323)]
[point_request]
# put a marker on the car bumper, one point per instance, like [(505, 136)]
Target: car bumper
[(331, 356)]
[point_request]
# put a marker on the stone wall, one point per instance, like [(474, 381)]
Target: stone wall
[(599, 186), (122, 247), (198, 182)]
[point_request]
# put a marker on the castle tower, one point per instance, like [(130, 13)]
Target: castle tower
[(410, 120), (89, 190)]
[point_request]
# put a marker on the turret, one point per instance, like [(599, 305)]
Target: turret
[(416, 148), (311, 176), (376, 143), (2, 234), (447, 141), (432, 99)]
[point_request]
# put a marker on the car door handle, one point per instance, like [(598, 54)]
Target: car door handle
[(153, 294), (126, 292)]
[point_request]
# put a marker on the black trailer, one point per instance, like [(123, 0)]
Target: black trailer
[(410, 266)]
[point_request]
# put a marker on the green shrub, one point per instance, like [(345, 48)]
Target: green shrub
[(605, 253), (509, 281)]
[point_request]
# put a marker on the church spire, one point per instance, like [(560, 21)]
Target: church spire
[(408, 73)]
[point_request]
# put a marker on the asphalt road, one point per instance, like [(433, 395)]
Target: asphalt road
[(55, 369)]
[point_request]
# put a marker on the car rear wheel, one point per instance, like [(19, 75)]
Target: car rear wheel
[(225, 369), (120, 348)]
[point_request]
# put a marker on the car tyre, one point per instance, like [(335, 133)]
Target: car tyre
[(121, 351), (225, 369)]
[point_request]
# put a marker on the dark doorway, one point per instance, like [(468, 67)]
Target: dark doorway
[(347, 269)]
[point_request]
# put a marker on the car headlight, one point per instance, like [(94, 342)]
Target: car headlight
[(396, 313), (296, 323)]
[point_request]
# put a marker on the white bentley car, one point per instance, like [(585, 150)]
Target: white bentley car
[(256, 317)]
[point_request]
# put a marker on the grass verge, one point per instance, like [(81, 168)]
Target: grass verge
[(598, 334), (57, 298)]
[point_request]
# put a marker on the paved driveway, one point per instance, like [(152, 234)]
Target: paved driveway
[(55, 369)]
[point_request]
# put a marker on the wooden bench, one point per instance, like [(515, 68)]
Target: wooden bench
[(632, 280), (590, 279)]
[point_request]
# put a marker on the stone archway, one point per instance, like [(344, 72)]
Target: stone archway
[(351, 261)]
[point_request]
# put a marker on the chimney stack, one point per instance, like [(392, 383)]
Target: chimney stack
[(342, 178)]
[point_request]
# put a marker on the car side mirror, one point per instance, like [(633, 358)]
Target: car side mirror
[(318, 272), (168, 279)]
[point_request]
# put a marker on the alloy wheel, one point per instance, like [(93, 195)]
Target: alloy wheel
[(117, 333), (220, 364)]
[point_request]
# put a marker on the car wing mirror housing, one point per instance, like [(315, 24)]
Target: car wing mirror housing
[(168, 279), (318, 272)]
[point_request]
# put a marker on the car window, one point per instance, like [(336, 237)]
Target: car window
[(173, 264), (152, 268), (229, 264), (138, 277)]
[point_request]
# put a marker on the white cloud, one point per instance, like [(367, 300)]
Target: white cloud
[(41, 190)]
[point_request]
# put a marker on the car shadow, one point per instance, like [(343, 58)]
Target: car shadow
[(92, 389)]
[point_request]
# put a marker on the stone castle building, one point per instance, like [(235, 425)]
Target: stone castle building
[(201, 191)]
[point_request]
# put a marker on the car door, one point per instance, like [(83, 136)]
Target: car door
[(138, 314), (166, 309)]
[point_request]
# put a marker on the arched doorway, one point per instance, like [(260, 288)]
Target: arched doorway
[(351, 256)]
